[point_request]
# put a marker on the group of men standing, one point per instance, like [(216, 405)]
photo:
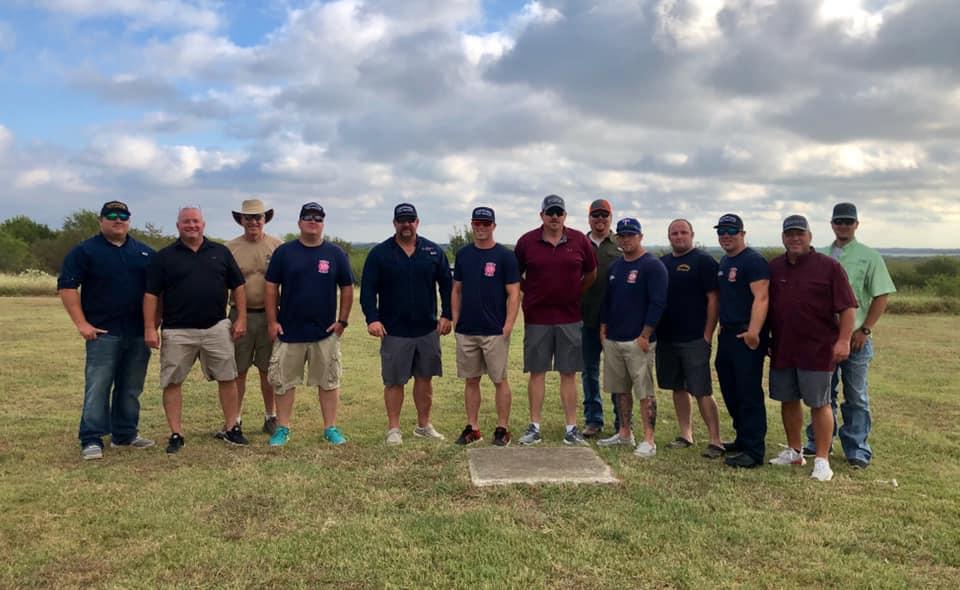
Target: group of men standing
[(290, 303)]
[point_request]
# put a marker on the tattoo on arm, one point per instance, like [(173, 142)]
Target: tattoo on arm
[(652, 415)]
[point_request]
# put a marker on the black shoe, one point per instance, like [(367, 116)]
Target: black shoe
[(743, 461), (235, 436), (731, 447), (270, 425), (469, 436), (501, 437), (176, 443), (858, 463)]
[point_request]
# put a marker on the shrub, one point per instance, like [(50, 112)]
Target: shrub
[(943, 285)]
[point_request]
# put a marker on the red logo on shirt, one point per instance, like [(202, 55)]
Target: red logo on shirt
[(323, 266), (489, 269), (632, 276), (732, 276)]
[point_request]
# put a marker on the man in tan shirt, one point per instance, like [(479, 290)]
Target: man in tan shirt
[(253, 250)]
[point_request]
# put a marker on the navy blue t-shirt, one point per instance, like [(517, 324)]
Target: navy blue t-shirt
[(485, 275), (308, 278), (692, 276), (734, 277), (636, 296), (111, 280)]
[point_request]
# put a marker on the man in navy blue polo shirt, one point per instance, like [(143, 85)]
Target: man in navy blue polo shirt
[(101, 285), (485, 302), (398, 295), (191, 277), (744, 282)]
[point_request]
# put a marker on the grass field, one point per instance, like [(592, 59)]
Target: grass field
[(367, 516)]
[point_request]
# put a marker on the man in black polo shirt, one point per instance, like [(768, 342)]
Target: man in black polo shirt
[(101, 285), (192, 277)]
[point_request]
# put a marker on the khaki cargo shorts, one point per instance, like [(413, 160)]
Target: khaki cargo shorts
[(253, 348), (477, 355), (626, 368), (322, 358), (182, 346)]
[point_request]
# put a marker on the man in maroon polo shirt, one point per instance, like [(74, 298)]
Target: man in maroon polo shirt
[(557, 264), (812, 310)]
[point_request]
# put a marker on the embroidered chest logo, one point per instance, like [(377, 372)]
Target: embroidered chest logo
[(732, 275), (489, 269), (632, 276), (323, 266), (683, 268)]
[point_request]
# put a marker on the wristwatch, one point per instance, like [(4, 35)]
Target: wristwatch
[(343, 323), (866, 331)]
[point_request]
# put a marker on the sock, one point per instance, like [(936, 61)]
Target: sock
[(570, 428), (536, 425)]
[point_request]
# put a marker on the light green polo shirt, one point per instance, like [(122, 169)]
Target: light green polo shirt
[(867, 273)]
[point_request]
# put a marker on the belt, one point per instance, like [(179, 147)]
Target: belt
[(252, 309), (738, 328)]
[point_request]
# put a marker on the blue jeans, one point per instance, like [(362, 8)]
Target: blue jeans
[(115, 372), (592, 400), (855, 408)]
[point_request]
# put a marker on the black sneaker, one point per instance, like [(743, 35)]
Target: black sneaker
[(501, 437), (176, 443), (469, 436), (742, 461), (858, 463), (731, 447), (234, 436), (270, 425)]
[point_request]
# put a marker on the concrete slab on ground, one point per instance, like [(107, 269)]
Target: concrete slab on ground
[(496, 466)]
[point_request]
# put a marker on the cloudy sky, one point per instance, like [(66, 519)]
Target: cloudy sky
[(669, 108)]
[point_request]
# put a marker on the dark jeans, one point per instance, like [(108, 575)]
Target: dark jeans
[(592, 399), (115, 371), (740, 373)]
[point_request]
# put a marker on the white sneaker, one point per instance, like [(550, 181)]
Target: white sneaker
[(615, 440), (137, 443), (645, 449), (821, 470), (92, 451), (428, 431), (789, 457), (394, 437)]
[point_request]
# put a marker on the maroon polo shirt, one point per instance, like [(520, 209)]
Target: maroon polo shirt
[(552, 275), (805, 299)]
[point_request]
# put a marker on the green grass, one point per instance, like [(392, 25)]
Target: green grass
[(367, 516)]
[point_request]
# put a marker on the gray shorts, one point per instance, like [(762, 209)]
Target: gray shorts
[(813, 387), (254, 347), (557, 348), (401, 358), (685, 366)]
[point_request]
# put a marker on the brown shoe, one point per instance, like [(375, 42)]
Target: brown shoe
[(591, 431)]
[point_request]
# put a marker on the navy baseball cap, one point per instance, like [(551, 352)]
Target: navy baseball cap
[(730, 220), (552, 202), (483, 214), (404, 212), (844, 211), (628, 226), (314, 207), (796, 222)]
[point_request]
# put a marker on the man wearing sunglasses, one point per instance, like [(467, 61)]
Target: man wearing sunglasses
[(558, 265), (302, 281), (872, 285), (398, 294), (485, 302), (744, 282), (191, 278), (101, 285), (600, 216), (252, 251)]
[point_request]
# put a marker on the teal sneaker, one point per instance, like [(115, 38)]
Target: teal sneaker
[(280, 436), (334, 436)]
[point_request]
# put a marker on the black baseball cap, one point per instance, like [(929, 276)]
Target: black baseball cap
[(484, 214), (844, 211), (115, 206), (796, 222), (311, 206), (730, 220), (404, 211)]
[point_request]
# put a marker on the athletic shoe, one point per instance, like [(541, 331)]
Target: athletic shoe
[(858, 463), (280, 436), (137, 443), (617, 441), (731, 447), (428, 431), (789, 457), (821, 470), (531, 436), (591, 430), (270, 425), (712, 452), (469, 436), (234, 436), (220, 435), (394, 437), (679, 443), (573, 437), (742, 461), (334, 436), (175, 443), (501, 437), (92, 451), (645, 449)]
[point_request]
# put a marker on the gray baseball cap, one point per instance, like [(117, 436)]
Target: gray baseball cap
[(796, 222), (844, 211)]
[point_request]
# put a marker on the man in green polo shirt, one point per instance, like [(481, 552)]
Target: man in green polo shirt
[(871, 284)]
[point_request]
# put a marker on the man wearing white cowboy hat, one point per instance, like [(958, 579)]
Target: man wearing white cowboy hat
[(253, 250)]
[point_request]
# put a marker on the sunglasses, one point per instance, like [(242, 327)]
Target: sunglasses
[(599, 215), (253, 217), (114, 215), (481, 223), (843, 221), (727, 231), (554, 212), (311, 217)]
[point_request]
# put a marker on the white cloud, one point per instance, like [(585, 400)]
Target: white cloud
[(6, 138), (59, 178), (141, 13), (167, 165), (8, 37)]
